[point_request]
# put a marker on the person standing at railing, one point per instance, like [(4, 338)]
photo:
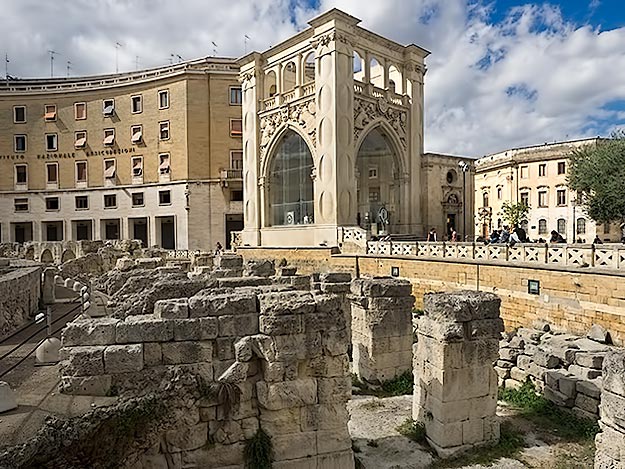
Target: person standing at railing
[(454, 235), (432, 236)]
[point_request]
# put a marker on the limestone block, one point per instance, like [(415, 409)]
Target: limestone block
[(228, 261), (584, 414), (590, 360), (281, 325), (212, 304), (529, 335), (86, 385), (524, 362), (286, 303), (486, 328), (339, 288), (187, 438), (504, 364), (545, 359), (83, 361), (297, 346), (249, 427), (329, 367), (590, 388), (614, 372), (335, 342), (281, 421), (461, 306), (333, 390), (541, 325), (149, 262), (611, 442), (558, 398), (195, 329), (294, 446), (446, 435), (603, 461), (330, 416), (322, 321), (238, 326), (177, 308), (260, 268), (444, 331), (276, 396), (225, 432), (599, 334), (516, 342), (612, 410), (472, 431), (219, 456), (7, 397), (584, 373), (144, 328), (154, 461), (175, 353), (502, 373), (332, 441), (588, 404), (567, 384), (402, 303), (381, 286), (97, 331), (123, 358), (509, 354), (302, 463), (344, 459), (286, 271), (152, 354), (518, 374), (587, 345), (335, 277)]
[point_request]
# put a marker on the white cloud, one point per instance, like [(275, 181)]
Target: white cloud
[(539, 78)]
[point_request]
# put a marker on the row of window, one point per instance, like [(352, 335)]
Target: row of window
[(542, 170), (20, 142), (81, 202), (110, 169), (543, 197), (108, 106)]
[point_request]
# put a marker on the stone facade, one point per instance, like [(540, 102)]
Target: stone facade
[(281, 354), (166, 165), (455, 393), (610, 442), (20, 290), (381, 315), (536, 174)]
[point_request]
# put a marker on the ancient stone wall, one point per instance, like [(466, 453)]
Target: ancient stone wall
[(20, 289), (565, 368), (268, 357), (381, 314), (455, 393), (570, 299), (610, 442)]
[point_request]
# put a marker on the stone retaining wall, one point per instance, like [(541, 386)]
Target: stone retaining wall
[(610, 442), (564, 367), (285, 352), (20, 290)]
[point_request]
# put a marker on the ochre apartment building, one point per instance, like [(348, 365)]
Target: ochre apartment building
[(153, 155)]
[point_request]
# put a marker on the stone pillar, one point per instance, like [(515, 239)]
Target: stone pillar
[(455, 393), (48, 293), (610, 443), (381, 310)]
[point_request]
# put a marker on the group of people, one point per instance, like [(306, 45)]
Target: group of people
[(508, 235)]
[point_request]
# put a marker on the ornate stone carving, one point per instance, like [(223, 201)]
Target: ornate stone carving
[(301, 115), (247, 76), (325, 39), (366, 111)]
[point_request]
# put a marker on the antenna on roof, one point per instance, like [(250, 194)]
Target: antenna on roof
[(6, 67), (180, 59), (69, 66), (214, 48), (245, 39), (52, 54), (136, 62), (117, 46)]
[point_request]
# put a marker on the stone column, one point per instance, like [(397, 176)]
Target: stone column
[(455, 393), (47, 292), (381, 311), (610, 442)]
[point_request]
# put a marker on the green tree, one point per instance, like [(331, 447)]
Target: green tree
[(597, 173), (514, 213)]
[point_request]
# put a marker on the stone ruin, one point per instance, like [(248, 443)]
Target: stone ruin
[(565, 368), (455, 392), (610, 442)]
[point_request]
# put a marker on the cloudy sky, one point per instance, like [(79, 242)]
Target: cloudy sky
[(502, 73)]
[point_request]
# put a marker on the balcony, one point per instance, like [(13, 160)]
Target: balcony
[(228, 176)]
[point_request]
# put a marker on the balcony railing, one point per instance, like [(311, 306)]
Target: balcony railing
[(231, 174)]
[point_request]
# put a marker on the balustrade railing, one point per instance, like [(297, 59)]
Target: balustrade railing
[(610, 256)]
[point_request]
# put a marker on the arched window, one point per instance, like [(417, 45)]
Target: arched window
[(290, 182), (270, 84), (542, 226), (485, 199), (289, 75), (376, 73), (562, 226), (581, 226), (309, 68), (396, 79)]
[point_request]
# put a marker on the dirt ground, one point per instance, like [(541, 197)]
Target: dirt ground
[(378, 444)]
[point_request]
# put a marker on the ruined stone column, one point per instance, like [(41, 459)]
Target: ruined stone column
[(381, 328), (455, 393), (48, 292), (610, 442)]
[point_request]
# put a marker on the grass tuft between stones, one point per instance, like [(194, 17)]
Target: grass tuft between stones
[(546, 415), (413, 430), (399, 386)]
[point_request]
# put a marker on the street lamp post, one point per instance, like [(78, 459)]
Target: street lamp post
[(464, 167)]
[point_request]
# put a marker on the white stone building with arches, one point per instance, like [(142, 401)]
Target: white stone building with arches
[(333, 137)]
